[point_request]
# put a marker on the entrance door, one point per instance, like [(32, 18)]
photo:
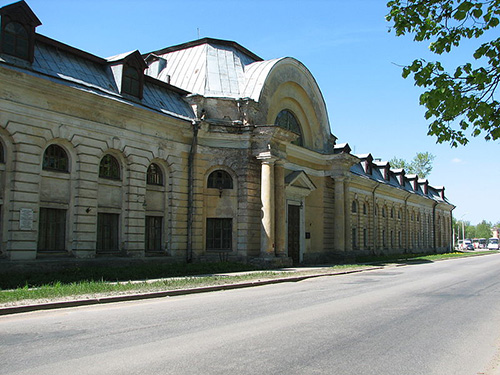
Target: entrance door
[(294, 233)]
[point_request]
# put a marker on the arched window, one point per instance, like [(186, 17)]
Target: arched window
[(15, 40), (131, 83), (220, 179), (109, 167), (55, 159), (287, 120), (2, 155), (354, 207), (154, 175), (392, 213), (383, 211), (365, 210)]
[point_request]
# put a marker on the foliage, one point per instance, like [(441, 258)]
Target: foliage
[(462, 99), (98, 289), (421, 164), (78, 274), (408, 258), (481, 230)]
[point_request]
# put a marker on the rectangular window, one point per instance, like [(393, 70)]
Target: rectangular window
[(219, 234), (154, 229), (365, 238), (107, 232), (52, 230), (354, 238)]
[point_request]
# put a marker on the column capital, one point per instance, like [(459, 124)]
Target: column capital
[(267, 157)]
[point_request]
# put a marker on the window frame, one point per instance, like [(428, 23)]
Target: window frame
[(223, 240), (55, 158), (131, 81), (108, 233), (15, 47), (153, 233), (220, 179), (287, 120), (111, 171), (154, 175), (52, 229), (2, 153)]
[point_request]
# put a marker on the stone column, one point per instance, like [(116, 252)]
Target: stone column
[(340, 218), (280, 209), (267, 197)]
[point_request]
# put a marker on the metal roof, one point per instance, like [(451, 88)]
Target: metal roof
[(79, 69), (377, 176)]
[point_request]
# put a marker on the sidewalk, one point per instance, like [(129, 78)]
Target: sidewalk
[(295, 274)]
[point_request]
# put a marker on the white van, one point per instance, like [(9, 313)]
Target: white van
[(493, 244)]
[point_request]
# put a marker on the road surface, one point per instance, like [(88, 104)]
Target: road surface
[(435, 318)]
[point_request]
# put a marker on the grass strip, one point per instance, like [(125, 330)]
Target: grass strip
[(95, 289), (418, 257), (94, 282)]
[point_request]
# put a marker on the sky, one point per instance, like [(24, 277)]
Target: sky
[(347, 47)]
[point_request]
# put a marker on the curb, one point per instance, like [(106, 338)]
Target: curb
[(178, 292), (167, 293)]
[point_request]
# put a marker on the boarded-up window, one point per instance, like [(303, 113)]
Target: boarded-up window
[(52, 230), (153, 233), (107, 232), (219, 234)]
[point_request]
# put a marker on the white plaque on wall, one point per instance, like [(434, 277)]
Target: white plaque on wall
[(26, 219)]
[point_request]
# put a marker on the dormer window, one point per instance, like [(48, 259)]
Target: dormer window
[(18, 31), (15, 41), (131, 83), (128, 71), (368, 167)]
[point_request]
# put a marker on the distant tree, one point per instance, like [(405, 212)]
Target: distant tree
[(470, 230), (483, 229), (463, 98), (421, 164)]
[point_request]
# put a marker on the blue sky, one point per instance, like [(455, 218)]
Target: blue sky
[(345, 44)]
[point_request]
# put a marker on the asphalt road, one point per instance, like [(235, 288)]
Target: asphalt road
[(437, 318)]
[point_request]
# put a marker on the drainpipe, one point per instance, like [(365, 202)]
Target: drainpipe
[(407, 229), (434, 226), (375, 227), (190, 205), (451, 248)]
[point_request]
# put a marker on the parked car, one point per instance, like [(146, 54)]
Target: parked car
[(467, 245), (493, 244)]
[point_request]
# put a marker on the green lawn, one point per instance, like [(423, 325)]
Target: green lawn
[(100, 281)]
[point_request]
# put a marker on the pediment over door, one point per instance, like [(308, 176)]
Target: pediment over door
[(298, 184)]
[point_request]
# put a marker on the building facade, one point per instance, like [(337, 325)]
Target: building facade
[(194, 152)]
